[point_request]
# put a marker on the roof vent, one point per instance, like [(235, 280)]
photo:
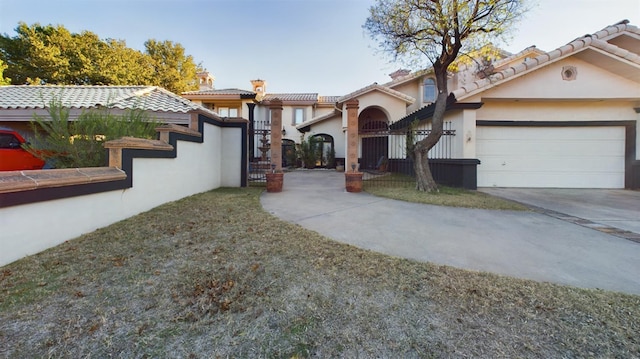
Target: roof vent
[(569, 73)]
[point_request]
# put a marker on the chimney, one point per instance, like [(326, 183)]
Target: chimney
[(205, 80), (259, 87), (399, 73)]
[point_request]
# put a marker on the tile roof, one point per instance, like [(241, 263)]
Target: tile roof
[(321, 118), (597, 41), (376, 87), (150, 98), (233, 91), (312, 97), (328, 99)]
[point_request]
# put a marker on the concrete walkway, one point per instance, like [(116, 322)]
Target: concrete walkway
[(520, 244)]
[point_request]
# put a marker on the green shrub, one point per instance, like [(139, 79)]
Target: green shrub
[(70, 144), (309, 152)]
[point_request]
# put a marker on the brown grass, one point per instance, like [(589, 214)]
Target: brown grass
[(215, 276), (402, 188)]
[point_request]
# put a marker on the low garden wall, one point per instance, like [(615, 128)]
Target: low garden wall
[(41, 209)]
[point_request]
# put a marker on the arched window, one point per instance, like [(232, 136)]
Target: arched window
[(326, 152), (429, 90)]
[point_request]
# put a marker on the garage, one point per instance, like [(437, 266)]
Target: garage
[(551, 156)]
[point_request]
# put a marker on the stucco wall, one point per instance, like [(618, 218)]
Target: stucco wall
[(331, 127), (591, 82), (198, 167), (393, 107), (557, 111)]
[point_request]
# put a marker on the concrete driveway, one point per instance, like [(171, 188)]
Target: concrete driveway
[(613, 211), (527, 245)]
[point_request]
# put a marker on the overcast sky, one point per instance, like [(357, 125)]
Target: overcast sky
[(296, 45)]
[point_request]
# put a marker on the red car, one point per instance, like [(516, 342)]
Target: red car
[(12, 156)]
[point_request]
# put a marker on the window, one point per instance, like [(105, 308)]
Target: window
[(429, 90), (227, 112), (9, 141), (298, 116)]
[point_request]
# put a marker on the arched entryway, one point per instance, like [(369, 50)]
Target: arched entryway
[(326, 150), (373, 129)]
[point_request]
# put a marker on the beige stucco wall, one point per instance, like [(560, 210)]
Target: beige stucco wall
[(393, 107), (592, 82), (414, 89), (333, 128), (507, 110), (464, 142)]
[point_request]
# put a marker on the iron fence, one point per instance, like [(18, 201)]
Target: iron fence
[(385, 160)]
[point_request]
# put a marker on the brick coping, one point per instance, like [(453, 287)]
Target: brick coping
[(17, 181)]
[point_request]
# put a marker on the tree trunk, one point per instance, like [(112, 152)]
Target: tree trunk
[(424, 178)]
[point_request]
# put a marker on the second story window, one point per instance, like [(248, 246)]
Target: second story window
[(429, 90), (227, 112), (298, 116)]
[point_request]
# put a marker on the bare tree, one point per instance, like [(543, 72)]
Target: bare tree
[(437, 31)]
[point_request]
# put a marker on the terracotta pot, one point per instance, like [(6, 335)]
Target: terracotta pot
[(274, 182), (353, 181)]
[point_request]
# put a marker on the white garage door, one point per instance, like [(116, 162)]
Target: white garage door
[(554, 157)]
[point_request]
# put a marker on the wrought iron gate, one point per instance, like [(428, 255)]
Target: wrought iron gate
[(259, 150), (385, 159)]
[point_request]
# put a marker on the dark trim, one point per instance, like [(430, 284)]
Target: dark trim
[(248, 96), (453, 172), (244, 166), (554, 123), (251, 107), (631, 173), (52, 193), (427, 112), (305, 129)]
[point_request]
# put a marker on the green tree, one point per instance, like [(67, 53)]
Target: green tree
[(174, 70), (53, 55), (79, 143), (117, 64), (3, 80), (435, 32)]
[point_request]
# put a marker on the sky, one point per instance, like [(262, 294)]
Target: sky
[(295, 45)]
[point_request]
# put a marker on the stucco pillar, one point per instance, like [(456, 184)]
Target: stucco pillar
[(276, 134), (352, 135)]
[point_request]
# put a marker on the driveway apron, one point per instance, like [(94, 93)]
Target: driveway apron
[(526, 245)]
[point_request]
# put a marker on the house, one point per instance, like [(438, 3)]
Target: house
[(254, 105), (565, 118)]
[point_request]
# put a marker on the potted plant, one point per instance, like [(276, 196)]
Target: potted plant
[(353, 179)]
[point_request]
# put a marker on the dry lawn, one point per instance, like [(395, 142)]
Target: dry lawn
[(213, 275), (402, 188)]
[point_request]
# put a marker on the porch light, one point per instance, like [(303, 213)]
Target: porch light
[(284, 132), (273, 168)]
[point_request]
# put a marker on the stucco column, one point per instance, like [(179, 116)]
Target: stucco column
[(352, 135), (276, 133)]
